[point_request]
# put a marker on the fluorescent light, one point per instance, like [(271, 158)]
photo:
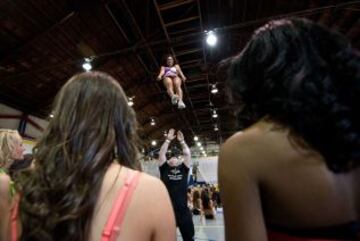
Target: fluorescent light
[(131, 101), (214, 90), (198, 144), (214, 115), (87, 64), (211, 39), (196, 138)]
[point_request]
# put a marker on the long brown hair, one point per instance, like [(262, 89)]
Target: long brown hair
[(93, 126), (196, 198)]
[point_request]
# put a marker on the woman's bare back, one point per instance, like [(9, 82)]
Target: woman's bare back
[(274, 180), (149, 215)]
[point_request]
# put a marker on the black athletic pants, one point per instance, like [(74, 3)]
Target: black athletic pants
[(185, 223)]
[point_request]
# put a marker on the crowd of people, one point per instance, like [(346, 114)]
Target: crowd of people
[(204, 201), (291, 174)]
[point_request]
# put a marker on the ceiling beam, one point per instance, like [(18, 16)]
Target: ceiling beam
[(181, 21), (174, 4)]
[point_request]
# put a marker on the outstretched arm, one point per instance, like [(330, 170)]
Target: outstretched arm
[(161, 74), (185, 149), (162, 153), (180, 72)]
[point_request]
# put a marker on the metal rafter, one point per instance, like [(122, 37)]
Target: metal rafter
[(181, 21), (158, 10), (174, 4), (139, 33), (205, 63)]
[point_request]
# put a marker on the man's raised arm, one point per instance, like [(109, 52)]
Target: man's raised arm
[(162, 153)]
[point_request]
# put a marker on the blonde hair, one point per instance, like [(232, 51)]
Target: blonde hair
[(8, 139)]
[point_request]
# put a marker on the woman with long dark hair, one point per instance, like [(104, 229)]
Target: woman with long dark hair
[(293, 173), (197, 203), (207, 204), (172, 76), (85, 184)]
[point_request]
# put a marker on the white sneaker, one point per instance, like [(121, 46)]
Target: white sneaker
[(181, 104), (174, 99)]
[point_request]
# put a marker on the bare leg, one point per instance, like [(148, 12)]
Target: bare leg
[(179, 92), (168, 82), (169, 86)]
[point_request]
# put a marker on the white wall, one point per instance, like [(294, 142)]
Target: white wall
[(207, 168), (32, 130), (151, 167), (13, 123)]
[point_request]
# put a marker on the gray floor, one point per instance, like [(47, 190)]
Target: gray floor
[(208, 230)]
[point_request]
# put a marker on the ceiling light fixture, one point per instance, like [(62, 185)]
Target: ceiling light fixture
[(214, 114), (152, 122), (211, 38), (131, 101), (87, 64), (214, 90)]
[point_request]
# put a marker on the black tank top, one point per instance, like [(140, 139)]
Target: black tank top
[(175, 180)]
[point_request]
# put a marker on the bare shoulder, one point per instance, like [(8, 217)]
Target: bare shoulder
[(151, 186), (152, 194), (149, 181), (243, 144), (257, 148)]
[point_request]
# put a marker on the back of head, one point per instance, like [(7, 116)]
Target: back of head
[(92, 127), (8, 140), (205, 198), (196, 195), (305, 77)]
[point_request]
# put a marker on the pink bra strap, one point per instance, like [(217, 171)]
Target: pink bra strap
[(112, 227)]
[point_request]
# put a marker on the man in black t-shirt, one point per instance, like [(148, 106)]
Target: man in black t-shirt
[(174, 173)]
